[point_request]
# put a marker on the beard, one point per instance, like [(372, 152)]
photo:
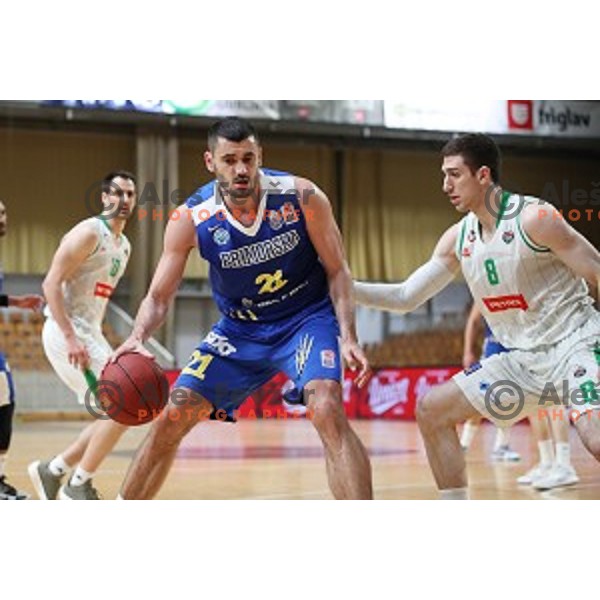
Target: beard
[(234, 193)]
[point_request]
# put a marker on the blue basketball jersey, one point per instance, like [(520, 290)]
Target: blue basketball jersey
[(268, 271)]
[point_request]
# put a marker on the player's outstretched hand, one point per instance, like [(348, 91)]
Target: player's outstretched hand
[(33, 302), (355, 359), (130, 345)]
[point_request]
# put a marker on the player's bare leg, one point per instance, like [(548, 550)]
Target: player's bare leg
[(588, 428), (347, 461), (438, 414), (104, 438), (154, 458), (73, 454)]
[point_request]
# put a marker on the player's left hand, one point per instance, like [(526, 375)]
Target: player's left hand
[(355, 359), (33, 302)]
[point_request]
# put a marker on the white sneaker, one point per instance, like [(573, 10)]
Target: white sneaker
[(505, 454), (559, 476), (534, 474)]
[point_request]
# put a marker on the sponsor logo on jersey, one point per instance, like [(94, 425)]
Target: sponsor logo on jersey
[(328, 359), (220, 344), (247, 302), (261, 252), (103, 290), (221, 236), (502, 303), (508, 237), (275, 220), (471, 237), (483, 386)]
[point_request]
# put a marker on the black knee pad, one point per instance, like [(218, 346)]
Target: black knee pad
[(6, 419)]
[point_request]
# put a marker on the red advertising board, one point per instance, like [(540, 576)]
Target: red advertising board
[(390, 394)]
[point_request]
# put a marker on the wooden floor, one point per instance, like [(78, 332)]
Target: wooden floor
[(283, 460)]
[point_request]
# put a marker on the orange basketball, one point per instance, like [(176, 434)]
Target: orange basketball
[(133, 390)]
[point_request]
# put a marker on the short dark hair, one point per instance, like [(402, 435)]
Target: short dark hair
[(233, 129), (107, 183), (477, 150)]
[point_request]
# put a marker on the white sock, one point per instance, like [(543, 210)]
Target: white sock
[(455, 494), (2, 465), (546, 452), (467, 435), (502, 438), (80, 476), (58, 466), (563, 454)]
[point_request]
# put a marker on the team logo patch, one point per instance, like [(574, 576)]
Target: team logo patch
[(289, 213), (221, 236), (580, 371), (275, 220), (508, 237), (328, 359), (472, 369)]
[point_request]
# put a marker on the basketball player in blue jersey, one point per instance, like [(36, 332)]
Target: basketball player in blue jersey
[(528, 272), (279, 277), (7, 390)]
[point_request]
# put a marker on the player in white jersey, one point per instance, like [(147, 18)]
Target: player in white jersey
[(86, 268), (527, 270)]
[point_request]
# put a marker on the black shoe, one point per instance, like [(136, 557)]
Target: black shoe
[(291, 394), (8, 492)]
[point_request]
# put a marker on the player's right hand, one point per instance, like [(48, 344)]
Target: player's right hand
[(130, 345), (77, 354)]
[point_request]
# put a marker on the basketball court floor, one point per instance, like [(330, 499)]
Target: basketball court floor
[(282, 459)]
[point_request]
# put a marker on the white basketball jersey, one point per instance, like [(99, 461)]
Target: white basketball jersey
[(88, 291), (528, 296)]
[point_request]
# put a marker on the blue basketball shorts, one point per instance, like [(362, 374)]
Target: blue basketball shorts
[(234, 360)]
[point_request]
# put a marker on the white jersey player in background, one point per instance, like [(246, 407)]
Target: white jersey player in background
[(86, 268), (527, 271)]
